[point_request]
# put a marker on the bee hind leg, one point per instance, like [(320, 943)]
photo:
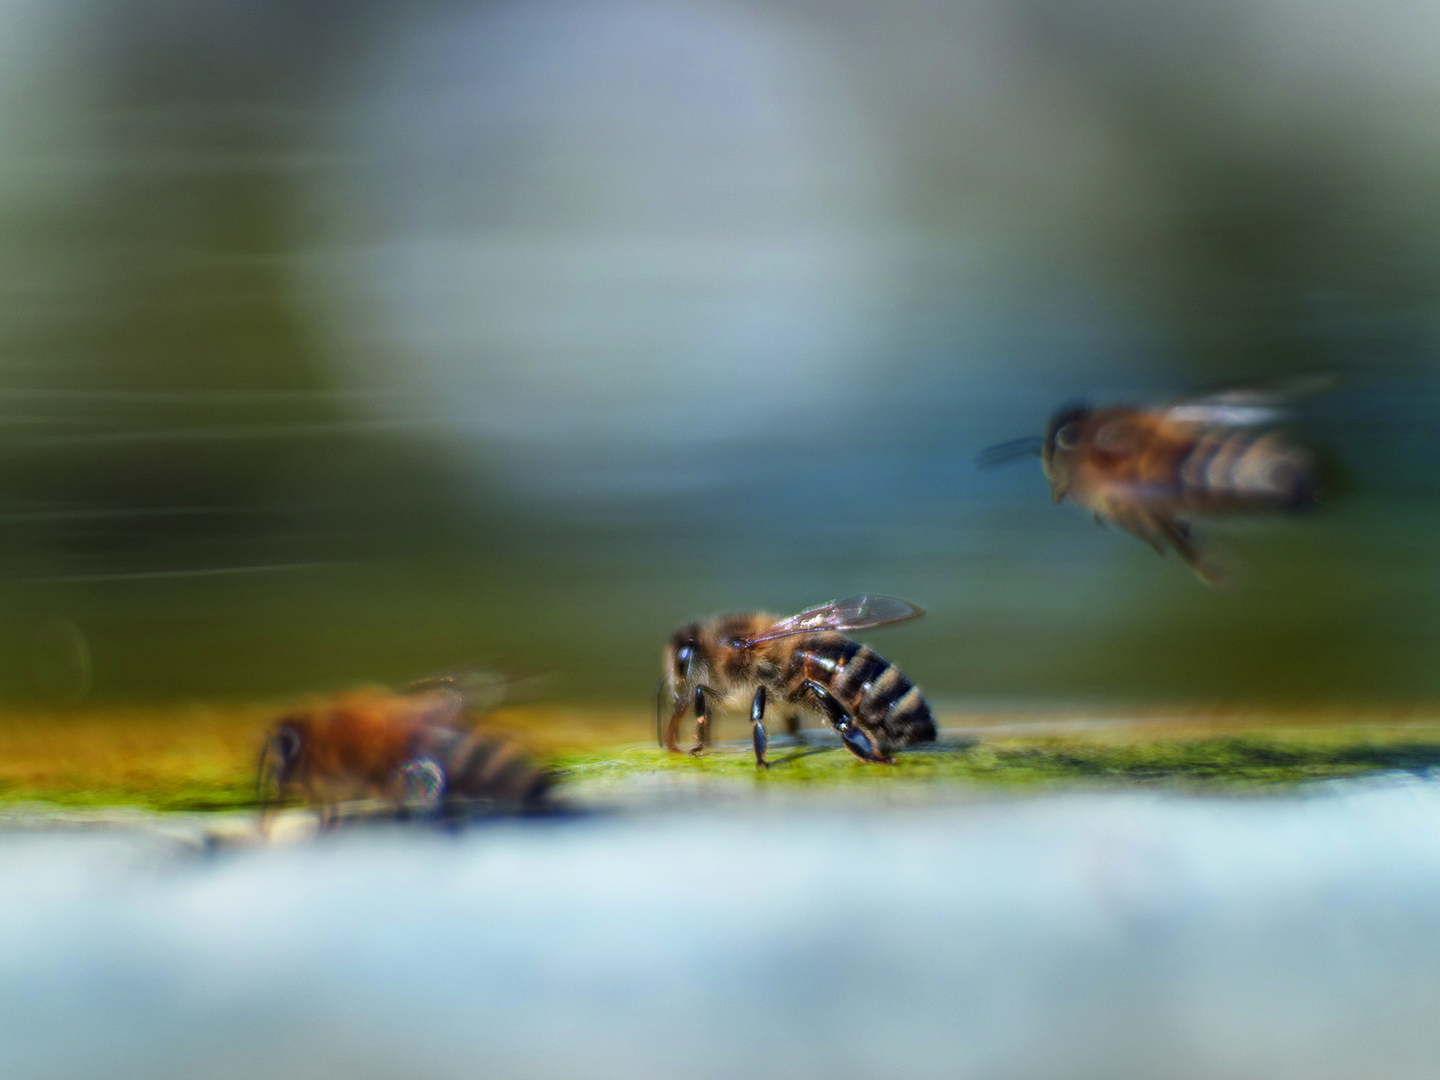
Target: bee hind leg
[(1177, 535), (857, 740), (1161, 533)]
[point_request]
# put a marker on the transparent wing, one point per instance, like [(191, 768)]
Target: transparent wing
[(1246, 406), (437, 707), (472, 689), (855, 613)]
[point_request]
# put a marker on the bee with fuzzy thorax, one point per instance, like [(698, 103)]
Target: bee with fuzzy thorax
[(410, 750), (1151, 470), (804, 661)]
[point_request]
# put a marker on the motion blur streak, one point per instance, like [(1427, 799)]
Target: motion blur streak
[(525, 331), (599, 233)]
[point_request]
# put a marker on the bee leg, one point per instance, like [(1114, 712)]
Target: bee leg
[(856, 740), (672, 729), (702, 722), (315, 797), (757, 716), (1145, 527), (1177, 535), (793, 729), (263, 801), (860, 744)]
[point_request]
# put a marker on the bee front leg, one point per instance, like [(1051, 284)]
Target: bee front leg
[(672, 729), (857, 740), (757, 717), (317, 798), (702, 722)]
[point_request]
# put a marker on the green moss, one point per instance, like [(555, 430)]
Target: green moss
[(207, 762), (1212, 762), (195, 796)]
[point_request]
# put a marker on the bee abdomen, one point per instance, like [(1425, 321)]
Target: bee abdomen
[(484, 767), (901, 715), (876, 693), (1228, 469)]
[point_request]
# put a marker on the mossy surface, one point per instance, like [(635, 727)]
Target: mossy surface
[(1228, 762), (195, 758)]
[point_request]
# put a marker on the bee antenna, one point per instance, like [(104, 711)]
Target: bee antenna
[(1006, 452), (659, 692)]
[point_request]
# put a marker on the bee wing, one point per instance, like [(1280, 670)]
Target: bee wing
[(855, 613), (477, 689), (1246, 406), (435, 705)]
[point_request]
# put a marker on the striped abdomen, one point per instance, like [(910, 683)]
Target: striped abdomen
[(1229, 469), (1130, 456), (484, 768), (874, 691)]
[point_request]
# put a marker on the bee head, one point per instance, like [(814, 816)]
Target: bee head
[(285, 743), (1062, 439), (683, 664), (683, 656), (279, 759)]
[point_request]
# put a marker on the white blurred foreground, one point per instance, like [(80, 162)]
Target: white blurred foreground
[(1083, 935)]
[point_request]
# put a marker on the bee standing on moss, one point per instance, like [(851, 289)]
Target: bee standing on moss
[(407, 748), (1151, 470), (804, 661)]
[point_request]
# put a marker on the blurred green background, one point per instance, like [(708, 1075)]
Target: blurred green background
[(346, 341)]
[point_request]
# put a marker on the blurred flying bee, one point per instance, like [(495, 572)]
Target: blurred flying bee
[(806, 662), (411, 750), (1152, 470)]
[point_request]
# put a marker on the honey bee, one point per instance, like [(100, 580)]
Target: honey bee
[(806, 662), (1151, 470), (406, 749)]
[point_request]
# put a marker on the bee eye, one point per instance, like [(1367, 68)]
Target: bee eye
[(1066, 437), (683, 657)]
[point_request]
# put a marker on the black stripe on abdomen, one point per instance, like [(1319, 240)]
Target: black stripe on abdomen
[(854, 679), (887, 701), (494, 769), (829, 651), (1194, 468), (1236, 470), (871, 689), (909, 720)]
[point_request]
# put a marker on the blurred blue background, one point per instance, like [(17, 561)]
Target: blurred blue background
[(347, 340)]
